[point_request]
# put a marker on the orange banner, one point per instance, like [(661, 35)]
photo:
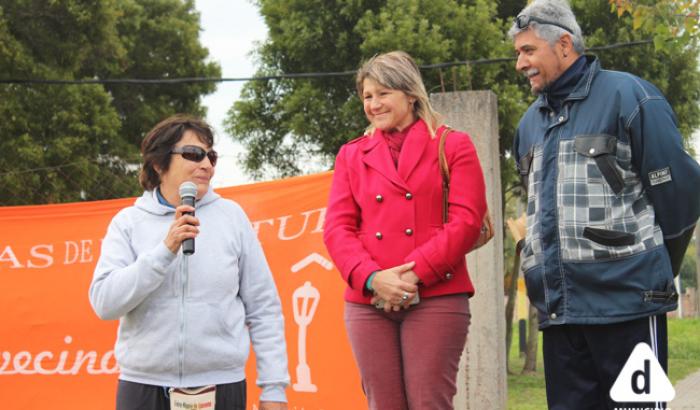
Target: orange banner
[(55, 352)]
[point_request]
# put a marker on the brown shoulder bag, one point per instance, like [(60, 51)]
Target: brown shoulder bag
[(486, 226)]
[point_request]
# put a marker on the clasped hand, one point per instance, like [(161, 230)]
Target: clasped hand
[(396, 286)]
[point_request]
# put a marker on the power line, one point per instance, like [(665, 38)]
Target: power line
[(181, 80), (48, 168)]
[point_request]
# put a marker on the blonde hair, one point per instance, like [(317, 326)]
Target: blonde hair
[(397, 70)]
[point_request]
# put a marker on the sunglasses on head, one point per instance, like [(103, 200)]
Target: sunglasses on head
[(196, 154), (523, 21)]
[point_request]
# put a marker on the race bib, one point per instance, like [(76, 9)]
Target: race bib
[(193, 399)]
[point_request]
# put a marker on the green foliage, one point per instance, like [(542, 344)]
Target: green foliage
[(62, 143), (161, 39), (284, 122), (671, 23), (688, 274)]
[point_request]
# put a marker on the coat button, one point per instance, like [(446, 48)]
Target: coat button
[(553, 316), (409, 196), (409, 231), (591, 151), (561, 118), (379, 198), (379, 235), (448, 276)]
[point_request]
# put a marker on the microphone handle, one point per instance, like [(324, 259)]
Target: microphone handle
[(188, 244)]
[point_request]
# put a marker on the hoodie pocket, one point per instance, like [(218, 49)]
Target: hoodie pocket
[(142, 329), (217, 337)]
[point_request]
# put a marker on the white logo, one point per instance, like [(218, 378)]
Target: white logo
[(642, 379), (305, 300), (660, 176), (312, 258)]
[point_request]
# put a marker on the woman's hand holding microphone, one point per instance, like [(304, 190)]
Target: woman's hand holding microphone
[(184, 227)]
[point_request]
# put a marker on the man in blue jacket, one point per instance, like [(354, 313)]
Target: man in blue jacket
[(612, 203)]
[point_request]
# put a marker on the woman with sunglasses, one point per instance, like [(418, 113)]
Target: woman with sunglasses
[(187, 321), (407, 296)]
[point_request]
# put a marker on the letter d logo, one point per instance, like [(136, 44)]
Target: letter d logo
[(642, 379)]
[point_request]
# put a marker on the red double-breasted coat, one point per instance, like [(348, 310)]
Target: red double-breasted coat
[(379, 216)]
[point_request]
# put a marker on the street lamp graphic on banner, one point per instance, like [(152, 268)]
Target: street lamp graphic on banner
[(305, 300)]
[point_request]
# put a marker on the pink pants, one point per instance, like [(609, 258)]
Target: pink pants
[(409, 359)]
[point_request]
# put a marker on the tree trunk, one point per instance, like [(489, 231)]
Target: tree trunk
[(510, 306), (530, 365)]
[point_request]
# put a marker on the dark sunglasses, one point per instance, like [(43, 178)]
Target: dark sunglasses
[(196, 154), (523, 21)]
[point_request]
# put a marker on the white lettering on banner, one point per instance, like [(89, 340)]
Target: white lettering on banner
[(284, 220), (256, 224), (8, 256), (78, 252), (47, 257), (71, 253), (23, 363), (42, 256)]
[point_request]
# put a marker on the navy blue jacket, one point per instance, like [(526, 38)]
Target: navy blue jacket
[(608, 182)]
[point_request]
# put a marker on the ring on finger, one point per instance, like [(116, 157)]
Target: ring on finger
[(404, 296)]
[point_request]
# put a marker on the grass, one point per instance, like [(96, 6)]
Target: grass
[(684, 348), (526, 392)]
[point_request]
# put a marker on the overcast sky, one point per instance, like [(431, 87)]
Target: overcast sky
[(230, 29)]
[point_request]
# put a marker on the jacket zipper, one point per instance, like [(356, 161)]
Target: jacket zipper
[(181, 336)]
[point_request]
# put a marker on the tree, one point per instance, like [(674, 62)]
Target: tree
[(161, 40), (284, 122), (63, 143), (672, 23)]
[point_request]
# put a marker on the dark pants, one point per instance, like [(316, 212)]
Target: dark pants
[(582, 362), (137, 396)]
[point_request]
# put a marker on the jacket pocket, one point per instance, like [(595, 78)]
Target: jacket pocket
[(602, 148), (527, 258), (536, 287), (607, 237)]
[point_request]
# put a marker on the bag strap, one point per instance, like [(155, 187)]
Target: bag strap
[(444, 171)]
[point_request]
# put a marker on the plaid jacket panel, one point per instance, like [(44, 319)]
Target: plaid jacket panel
[(532, 253), (585, 199)]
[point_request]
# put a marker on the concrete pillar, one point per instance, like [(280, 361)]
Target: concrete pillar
[(481, 382)]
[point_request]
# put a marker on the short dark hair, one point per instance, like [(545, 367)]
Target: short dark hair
[(156, 146)]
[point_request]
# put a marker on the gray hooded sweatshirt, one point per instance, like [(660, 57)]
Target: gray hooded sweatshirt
[(188, 321)]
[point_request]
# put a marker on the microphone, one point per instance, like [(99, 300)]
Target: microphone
[(188, 194)]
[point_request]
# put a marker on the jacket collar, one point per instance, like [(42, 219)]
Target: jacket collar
[(377, 156), (583, 87)]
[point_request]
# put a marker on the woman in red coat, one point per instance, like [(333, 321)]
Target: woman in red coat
[(407, 299)]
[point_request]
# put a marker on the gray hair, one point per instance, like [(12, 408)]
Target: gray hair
[(397, 70), (557, 11)]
